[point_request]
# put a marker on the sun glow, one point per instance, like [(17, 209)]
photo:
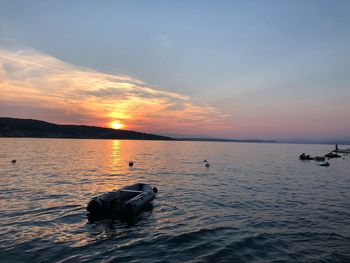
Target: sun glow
[(53, 90), (116, 125)]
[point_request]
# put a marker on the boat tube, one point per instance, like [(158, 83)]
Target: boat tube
[(126, 201)]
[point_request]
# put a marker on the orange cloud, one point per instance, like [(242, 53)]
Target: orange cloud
[(35, 85)]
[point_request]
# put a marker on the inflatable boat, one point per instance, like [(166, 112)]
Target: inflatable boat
[(126, 201)]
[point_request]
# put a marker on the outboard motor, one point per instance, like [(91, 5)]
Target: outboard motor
[(104, 205)]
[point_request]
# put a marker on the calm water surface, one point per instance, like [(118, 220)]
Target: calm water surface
[(256, 202)]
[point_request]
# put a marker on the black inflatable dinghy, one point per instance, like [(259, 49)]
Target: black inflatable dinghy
[(126, 201)]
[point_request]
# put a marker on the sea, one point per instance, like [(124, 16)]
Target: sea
[(255, 203)]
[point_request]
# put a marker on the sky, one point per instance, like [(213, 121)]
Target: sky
[(228, 69)]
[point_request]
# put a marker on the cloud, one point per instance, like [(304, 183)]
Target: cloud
[(36, 85)]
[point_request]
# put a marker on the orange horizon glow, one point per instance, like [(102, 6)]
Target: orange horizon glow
[(38, 86)]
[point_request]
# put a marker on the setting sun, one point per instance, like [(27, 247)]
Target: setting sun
[(116, 125)]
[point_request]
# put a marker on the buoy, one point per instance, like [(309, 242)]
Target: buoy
[(13, 161), (131, 163)]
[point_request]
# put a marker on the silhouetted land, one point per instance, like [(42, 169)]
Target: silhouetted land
[(305, 141), (13, 127), (226, 140)]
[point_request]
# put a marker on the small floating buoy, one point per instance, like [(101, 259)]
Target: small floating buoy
[(131, 163), (13, 161)]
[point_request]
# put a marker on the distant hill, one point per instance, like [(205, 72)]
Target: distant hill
[(226, 140), (13, 127)]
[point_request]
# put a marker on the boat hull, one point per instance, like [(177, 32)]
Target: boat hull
[(127, 201)]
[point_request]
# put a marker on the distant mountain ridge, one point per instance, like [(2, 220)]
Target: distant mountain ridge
[(226, 140), (14, 127)]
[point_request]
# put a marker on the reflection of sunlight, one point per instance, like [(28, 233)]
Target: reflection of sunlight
[(115, 156)]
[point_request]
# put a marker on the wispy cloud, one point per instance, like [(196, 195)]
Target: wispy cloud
[(35, 85)]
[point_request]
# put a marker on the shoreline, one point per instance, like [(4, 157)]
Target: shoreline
[(178, 140)]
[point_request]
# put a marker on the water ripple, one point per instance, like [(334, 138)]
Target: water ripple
[(256, 202)]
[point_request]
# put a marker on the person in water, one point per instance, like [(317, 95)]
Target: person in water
[(336, 147)]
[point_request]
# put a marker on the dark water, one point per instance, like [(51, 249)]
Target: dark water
[(256, 202)]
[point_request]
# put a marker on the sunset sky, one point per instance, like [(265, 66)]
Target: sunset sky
[(229, 69)]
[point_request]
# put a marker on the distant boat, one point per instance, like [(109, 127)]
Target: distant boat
[(332, 155), (126, 201), (320, 158), (303, 157), (342, 151), (325, 164)]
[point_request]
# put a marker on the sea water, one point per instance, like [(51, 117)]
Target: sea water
[(255, 203)]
